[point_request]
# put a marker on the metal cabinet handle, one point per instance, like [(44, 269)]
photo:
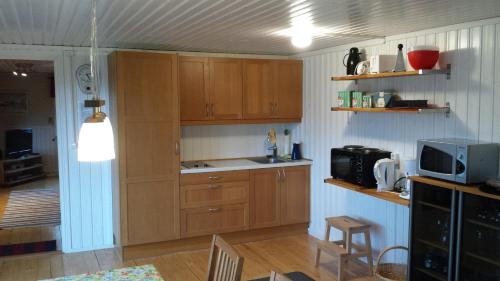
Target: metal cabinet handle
[(284, 174), (207, 111), (275, 108), (272, 108), (215, 186), (214, 178), (212, 109), (279, 175), (177, 147), (213, 210)]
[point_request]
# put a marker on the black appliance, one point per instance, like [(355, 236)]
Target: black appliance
[(454, 236), (352, 60), (354, 163), (18, 143)]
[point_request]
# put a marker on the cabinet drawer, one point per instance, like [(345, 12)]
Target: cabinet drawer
[(202, 195), (187, 179), (215, 219)]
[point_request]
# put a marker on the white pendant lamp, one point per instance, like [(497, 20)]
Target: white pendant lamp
[(95, 141)]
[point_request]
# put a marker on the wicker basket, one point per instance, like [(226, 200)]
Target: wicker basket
[(390, 271)]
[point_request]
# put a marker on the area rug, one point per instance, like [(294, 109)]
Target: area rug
[(145, 272), (28, 248), (31, 207)]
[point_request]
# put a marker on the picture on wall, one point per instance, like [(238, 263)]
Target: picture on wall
[(13, 102)]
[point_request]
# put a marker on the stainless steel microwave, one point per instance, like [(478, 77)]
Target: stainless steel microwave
[(458, 160)]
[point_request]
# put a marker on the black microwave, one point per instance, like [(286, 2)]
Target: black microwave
[(354, 164)]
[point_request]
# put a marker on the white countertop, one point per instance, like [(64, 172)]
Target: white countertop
[(241, 164)]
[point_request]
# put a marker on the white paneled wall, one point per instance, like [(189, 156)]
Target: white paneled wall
[(473, 93), (218, 142), (45, 143)]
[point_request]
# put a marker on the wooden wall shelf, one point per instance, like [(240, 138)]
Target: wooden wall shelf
[(419, 72), (430, 109), (387, 196)]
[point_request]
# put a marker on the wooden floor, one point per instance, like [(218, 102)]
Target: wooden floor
[(293, 253)]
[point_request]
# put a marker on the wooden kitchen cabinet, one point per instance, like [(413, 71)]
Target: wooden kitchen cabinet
[(295, 192), (258, 89), (264, 198), (288, 89), (226, 91), (194, 78), (210, 89), (235, 91), (144, 86), (214, 202), (279, 196)]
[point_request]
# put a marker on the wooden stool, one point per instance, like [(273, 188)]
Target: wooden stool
[(342, 249)]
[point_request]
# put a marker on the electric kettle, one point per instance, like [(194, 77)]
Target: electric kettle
[(385, 174), (352, 61)]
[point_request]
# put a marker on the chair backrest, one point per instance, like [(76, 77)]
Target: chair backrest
[(275, 276), (224, 263)]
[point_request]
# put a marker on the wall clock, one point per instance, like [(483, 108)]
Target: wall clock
[(84, 78)]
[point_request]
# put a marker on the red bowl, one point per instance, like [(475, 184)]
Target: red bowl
[(423, 57)]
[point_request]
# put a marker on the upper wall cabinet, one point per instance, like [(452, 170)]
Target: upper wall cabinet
[(210, 89), (258, 89), (225, 88), (235, 91), (194, 84), (288, 89)]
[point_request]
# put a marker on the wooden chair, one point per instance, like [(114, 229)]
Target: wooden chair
[(224, 263), (343, 249), (275, 276)]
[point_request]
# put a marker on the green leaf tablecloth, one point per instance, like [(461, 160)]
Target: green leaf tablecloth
[(143, 273)]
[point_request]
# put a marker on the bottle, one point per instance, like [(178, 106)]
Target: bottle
[(400, 61)]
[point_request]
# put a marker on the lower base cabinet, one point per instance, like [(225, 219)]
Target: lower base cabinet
[(279, 196), (216, 219)]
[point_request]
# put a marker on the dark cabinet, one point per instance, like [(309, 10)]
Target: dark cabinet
[(433, 214), (454, 235), (479, 239)]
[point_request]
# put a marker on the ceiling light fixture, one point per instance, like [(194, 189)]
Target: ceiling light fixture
[(95, 141), (24, 74), (15, 73)]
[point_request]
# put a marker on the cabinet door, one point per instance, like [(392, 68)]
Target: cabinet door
[(226, 89), (295, 195), (148, 137), (258, 89), (193, 88), (288, 89), (478, 243), (264, 198), (432, 232)]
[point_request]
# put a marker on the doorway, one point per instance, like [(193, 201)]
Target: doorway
[(30, 212)]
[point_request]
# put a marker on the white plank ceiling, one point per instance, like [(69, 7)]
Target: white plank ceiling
[(239, 26), (37, 66)]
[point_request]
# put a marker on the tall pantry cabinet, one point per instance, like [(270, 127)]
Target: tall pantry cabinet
[(144, 87)]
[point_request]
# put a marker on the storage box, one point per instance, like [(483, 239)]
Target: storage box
[(344, 99), (357, 99), (382, 99), (367, 101)]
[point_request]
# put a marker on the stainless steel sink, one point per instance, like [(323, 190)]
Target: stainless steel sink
[(266, 160)]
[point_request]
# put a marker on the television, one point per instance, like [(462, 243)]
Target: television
[(18, 143)]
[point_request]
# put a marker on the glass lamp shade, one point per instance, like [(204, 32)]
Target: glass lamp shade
[(96, 142)]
